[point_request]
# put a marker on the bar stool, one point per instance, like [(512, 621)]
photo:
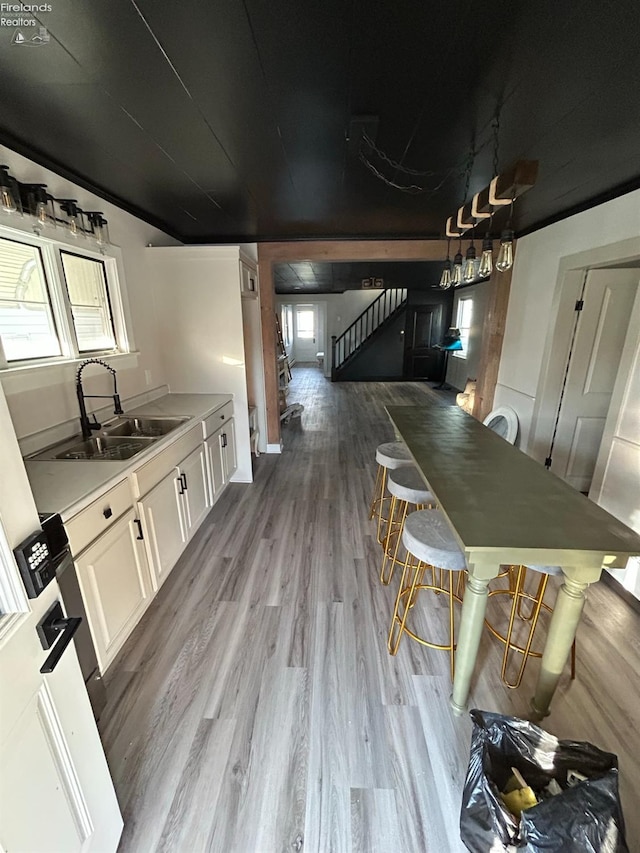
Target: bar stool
[(389, 456), (407, 488), (519, 596), (431, 544)]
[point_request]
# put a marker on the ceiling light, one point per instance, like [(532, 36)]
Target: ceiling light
[(445, 278), (486, 259), (457, 269), (469, 272), (8, 191), (505, 255)]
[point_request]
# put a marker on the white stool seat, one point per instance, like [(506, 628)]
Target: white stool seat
[(545, 570), (406, 484), (428, 536), (393, 454)]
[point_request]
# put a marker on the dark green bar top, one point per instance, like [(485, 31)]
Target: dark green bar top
[(503, 505)]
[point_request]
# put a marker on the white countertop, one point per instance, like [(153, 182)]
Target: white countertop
[(68, 485)]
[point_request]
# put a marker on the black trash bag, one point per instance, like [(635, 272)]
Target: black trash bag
[(586, 817)]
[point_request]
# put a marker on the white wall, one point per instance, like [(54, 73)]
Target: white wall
[(341, 310), (47, 398), (198, 303), (461, 369), (542, 260)]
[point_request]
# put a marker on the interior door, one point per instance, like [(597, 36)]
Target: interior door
[(425, 329), (56, 794), (600, 334), (305, 339)]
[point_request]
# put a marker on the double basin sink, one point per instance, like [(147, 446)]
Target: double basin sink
[(119, 439)]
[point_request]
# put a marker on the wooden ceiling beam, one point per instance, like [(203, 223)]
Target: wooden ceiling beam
[(510, 184)]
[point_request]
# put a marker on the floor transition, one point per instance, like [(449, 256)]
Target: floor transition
[(255, 708)]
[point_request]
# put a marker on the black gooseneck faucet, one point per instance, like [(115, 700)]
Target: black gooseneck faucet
[(85, 423)]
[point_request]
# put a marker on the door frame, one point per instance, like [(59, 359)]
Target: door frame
[(571, 271)]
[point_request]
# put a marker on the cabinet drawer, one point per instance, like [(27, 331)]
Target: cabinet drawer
[(84, 527), (219, 417), (150, 474)]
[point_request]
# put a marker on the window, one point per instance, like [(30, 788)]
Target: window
[(89, 300), (27, 326), (287, 324), (463, 322), (56, 304), (305, 322)]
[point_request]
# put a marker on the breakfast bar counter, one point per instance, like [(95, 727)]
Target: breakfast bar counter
[(506, 508)]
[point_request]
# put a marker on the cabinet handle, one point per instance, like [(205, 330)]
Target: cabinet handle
[(224, 439), (139, 523), (180, 486), (108, 512), (221, 417), (183, 477)]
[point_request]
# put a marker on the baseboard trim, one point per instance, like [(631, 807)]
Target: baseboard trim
[(624, 594)]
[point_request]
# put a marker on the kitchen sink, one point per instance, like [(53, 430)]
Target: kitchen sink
[(121, 438), (100, 447), (145, 427)]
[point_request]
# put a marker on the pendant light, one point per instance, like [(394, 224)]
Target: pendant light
[(486, 259), (469, 272), (445, 278), (505, 255), (457, 266)]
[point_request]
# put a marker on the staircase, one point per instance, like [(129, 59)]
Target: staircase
[(379, 314)]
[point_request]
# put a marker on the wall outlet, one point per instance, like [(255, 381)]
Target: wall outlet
[(147, 377)]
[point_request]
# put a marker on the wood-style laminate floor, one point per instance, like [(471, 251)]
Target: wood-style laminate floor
[(255, 708)]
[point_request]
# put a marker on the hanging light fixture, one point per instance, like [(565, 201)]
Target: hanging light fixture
[(9, 196), (486, 259), (469, 272), (445, 278), (456, 278), (505, 255)]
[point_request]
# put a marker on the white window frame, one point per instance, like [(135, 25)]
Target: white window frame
[(39, 369), (465, 331)]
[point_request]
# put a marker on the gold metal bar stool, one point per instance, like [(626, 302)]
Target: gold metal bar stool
[(430, 544), (389, 456), (407, 488), (536, 599)]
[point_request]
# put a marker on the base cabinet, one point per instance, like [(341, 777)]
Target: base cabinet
[(221, 458), (229, 456), (195, 493), (163, 525), (114, 579)]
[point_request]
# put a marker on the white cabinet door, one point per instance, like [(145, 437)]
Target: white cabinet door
[(214, 464), (193, 472), (115, 583), (229, 458), (164, 529)]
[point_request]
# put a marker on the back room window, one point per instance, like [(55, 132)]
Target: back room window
[(89, 300), (27, 327)]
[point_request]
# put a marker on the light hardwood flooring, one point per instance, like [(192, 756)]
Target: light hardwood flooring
[(255, 708)]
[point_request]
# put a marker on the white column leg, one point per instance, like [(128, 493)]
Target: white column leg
[(474, 605), (562, 632)]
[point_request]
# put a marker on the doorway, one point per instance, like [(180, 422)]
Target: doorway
[(425, 329)]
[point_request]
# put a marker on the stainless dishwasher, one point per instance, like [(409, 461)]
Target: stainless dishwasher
[(72, 597)]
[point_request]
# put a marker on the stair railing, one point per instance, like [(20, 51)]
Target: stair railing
[(349, 342)]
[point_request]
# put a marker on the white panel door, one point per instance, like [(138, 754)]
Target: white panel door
[(602, 326), (305, 338), (56, 794)]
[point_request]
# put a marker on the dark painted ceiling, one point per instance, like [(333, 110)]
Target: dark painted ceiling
[(313, 278), (229, 120)]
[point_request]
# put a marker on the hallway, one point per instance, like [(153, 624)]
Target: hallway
[(255, 708)]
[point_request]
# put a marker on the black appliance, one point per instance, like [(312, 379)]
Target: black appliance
[(65, 572)]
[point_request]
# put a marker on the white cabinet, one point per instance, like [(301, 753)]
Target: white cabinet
[(114, 580), (221, 458), (164, 529), (173, 510), (195, 492)]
